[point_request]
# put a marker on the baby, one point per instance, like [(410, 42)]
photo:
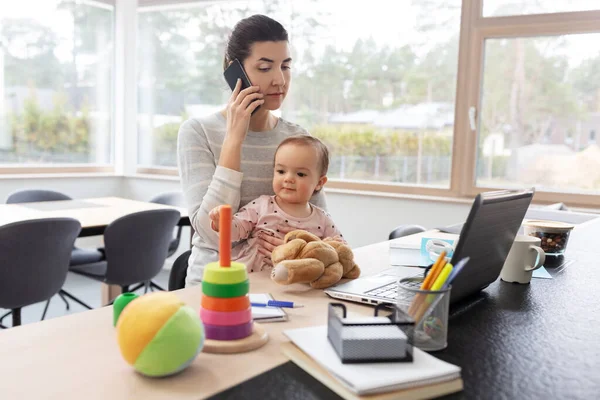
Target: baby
[(300, 170)]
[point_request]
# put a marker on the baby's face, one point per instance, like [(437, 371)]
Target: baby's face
[(296, 174)]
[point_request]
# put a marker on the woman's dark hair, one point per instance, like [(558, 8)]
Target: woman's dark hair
[(257, 28)]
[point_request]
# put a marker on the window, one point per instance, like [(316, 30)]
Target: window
[(534, 90), (56, 69), (180, 68), (382, 97), (433, 97)]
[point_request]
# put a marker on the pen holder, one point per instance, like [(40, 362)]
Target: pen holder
[(429, 308)]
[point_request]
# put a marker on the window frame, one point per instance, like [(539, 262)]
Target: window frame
[(50, 169), (475, 29), (157, 170), (482, 28)]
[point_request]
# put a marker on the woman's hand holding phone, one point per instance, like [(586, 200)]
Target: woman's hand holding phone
[(239, 110)]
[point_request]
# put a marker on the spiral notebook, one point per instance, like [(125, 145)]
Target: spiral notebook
[(369, 379), (266, 314)]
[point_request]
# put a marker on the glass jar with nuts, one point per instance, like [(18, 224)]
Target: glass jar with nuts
[(553, 234)]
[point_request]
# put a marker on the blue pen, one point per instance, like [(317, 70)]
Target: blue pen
[(455, 271), (275, 303)]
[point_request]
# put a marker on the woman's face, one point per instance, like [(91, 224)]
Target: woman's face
[(268, 67)]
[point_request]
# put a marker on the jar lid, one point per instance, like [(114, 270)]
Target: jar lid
[(549, 225)]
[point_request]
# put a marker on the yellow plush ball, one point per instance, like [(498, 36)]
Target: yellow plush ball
[(159, 335)]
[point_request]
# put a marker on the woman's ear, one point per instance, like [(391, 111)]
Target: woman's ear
[(322, 182)]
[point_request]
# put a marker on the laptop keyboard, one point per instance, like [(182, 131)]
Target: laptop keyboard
[(390, 291)]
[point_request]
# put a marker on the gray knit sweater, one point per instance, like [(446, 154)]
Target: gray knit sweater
[(206, 185)]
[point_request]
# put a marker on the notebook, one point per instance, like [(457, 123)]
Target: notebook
[(368, 379), (266, 314)]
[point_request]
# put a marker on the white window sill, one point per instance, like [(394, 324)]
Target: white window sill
[(156, 177), (60, 175)]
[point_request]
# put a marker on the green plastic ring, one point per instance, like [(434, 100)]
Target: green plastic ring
[(214, 273), (225, 291)]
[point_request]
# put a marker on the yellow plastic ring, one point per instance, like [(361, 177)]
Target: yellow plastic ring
[(214, 273)]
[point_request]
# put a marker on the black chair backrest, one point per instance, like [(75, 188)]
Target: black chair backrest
[(405, 230), (136, 245), (35, 195), (169, 199), (34, 259), (179, 271)]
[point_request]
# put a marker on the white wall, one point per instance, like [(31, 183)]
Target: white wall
[(365, 219)]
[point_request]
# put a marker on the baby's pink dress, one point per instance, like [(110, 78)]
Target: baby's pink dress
[(264, 215)]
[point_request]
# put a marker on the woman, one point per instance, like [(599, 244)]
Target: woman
[(227, 157)]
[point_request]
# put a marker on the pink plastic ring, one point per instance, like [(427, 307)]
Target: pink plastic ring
[(233, 332), (226, 318)]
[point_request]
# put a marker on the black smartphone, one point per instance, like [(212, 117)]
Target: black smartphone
[(234, 72)]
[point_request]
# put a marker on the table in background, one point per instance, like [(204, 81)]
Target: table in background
[(94, 214)]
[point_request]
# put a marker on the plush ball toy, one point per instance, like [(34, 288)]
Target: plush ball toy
[(304, 258), (159, 335)]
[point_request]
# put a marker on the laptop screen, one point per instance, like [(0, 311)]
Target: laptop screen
[(486, 238)]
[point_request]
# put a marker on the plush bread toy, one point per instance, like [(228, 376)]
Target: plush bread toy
[(304, 258)]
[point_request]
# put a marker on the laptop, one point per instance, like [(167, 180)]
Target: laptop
[(486, 238)]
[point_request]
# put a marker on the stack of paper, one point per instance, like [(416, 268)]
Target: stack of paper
[(372, 378), (266, 314)]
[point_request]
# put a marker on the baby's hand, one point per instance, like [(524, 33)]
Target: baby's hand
[(214, 216)]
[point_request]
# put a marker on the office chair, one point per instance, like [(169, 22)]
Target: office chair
[(405, 230), (171, 199), (136, 248), (79, 256), (179, 271), (557, 206), (180, 266), (39, 250)]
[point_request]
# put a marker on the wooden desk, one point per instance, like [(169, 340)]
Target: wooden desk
[(77, 357), (94, 214)]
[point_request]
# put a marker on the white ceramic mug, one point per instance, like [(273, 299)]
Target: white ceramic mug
[(525, 256)]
